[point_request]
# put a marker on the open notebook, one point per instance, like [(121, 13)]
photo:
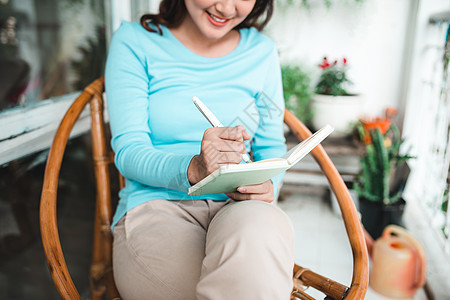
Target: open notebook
[(228, 178)]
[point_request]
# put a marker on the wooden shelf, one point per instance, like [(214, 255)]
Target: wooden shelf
[(344, 152)]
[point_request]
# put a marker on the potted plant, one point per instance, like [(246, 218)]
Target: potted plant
[(383, 176), (297, 92), (332, 102)]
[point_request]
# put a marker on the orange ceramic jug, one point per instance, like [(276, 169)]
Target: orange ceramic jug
[(398, 264)]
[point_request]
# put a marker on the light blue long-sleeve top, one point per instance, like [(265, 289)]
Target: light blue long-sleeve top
[(156, 128)]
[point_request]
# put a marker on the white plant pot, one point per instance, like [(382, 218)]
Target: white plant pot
[(338, 111)]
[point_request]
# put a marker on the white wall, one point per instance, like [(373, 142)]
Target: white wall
[(370, 35), (130, 10)]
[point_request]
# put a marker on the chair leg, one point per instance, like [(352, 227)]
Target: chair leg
[(299, 294), (101, 276), (98, 294), (97, 271)]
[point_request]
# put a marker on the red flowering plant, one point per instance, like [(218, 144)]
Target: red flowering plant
[(333, 80)]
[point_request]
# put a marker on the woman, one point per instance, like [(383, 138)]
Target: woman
[(167, 244)]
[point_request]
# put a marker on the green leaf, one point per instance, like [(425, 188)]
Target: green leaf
[(297, 92)]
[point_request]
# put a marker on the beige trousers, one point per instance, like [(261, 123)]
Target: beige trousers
[(204, 249)]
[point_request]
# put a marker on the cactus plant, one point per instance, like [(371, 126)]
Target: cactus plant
[(378, 164)]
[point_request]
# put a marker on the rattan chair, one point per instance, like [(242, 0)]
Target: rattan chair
[(101, 276)]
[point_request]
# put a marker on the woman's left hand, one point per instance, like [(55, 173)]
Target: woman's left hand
[(261, 192)]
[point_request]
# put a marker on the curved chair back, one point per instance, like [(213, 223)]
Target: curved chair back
[(355, 233), (101, 276)]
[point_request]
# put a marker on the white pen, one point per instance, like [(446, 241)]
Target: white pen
[(213, 120)]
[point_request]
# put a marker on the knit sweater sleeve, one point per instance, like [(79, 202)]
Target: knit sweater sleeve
[(127, 91)]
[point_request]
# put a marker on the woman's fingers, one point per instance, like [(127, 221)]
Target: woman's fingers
[(245, 134), (262, 188), (237, 133), (223, 146), (213, 161), (242, 197), (220, 146), (261, 192)]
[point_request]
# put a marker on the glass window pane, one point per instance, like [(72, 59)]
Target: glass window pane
[(49, 48)]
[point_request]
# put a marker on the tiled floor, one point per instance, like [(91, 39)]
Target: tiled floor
[(321, 239), (319, 236)]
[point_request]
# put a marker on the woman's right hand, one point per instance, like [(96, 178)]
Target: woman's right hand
[(220, 146)]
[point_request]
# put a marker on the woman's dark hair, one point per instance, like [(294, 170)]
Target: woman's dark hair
[(172, 13)]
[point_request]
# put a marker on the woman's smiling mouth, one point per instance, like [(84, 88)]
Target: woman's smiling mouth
[(216, 20)]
